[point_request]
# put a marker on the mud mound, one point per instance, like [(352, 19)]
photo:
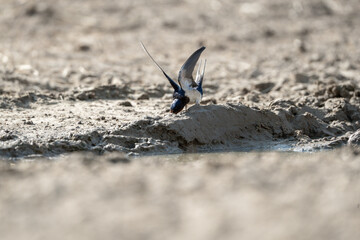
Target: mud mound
[(236, 124), (201, 128)]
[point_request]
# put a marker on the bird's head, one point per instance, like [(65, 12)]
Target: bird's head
[(179, 103)]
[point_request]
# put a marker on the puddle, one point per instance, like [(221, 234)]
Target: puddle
[(285, 150), (286, 147), (212, 156)]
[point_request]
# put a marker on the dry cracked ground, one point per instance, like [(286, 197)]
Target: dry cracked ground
[(82, 107)]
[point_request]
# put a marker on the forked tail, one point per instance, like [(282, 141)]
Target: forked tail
[(172, 82), (200, 75)]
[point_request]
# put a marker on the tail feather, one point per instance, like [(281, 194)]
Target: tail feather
[(172, 82), (200, 75)]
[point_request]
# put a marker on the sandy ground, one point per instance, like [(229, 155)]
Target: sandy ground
[(280, 75), (73, 75)]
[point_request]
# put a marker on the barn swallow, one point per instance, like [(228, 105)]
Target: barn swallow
[(188, 90)]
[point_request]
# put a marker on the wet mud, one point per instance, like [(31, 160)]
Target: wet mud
[(276, 71)]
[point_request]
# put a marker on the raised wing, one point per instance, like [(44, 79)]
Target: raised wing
[(185, 73), (172, 82)]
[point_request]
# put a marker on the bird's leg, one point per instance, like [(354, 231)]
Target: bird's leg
[(186, 107)]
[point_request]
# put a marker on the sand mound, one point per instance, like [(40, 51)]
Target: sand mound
[(198, 129)]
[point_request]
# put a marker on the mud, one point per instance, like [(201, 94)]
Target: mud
[(89, 126), (74, 78)]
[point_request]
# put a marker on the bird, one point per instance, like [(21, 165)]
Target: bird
[(188, 90)]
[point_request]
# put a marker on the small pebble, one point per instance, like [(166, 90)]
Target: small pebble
[(125, 104), (143, 96), (301, 78)]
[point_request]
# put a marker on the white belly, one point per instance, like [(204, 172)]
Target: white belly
[(194, 95), (190, 92)]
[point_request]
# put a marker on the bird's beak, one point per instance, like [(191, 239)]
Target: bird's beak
[(174, 112)]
